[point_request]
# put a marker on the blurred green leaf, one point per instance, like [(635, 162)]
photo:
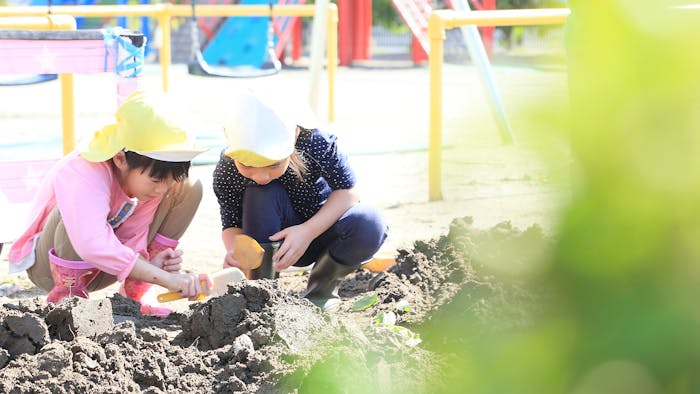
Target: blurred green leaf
[(365, 302)]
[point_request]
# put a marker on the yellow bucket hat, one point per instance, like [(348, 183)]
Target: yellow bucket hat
[(144, 126), (260, 133)]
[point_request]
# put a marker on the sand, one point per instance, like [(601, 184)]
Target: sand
[(262, 337)]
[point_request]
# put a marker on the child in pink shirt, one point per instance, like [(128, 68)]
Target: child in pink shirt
[(114, 211)]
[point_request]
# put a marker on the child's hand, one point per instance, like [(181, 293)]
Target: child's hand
[(230, 261), (296, 241), (168, 260), (191, 285)]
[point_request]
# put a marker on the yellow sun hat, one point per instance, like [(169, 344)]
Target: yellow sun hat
[(145, 125), (262, 131)]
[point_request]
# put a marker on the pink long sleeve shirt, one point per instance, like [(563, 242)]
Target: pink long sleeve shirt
[(94, 210)]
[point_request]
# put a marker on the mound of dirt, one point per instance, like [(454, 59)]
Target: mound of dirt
[(262, 337)]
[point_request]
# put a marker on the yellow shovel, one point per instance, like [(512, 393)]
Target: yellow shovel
[(246, 251), (380, 262), (220, 281)]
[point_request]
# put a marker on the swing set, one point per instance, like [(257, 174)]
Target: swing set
[(197, 65), (324, 31)]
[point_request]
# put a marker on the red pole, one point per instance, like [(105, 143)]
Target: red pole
[(296, 40), (366, 30), (418, 55), (487, 31), (362, 29), (357, 29), (345, 28)]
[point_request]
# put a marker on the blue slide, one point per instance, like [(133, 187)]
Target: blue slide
[(241, 40)]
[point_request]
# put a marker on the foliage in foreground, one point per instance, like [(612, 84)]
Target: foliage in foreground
[(623, 274)]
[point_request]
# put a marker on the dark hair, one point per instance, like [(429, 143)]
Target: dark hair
[(158, 169)]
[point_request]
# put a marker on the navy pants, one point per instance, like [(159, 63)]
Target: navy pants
[(352, 240)]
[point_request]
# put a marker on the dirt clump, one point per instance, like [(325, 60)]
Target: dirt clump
[(262, 337)]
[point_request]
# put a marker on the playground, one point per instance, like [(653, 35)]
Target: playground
[(535, 248), (388, 149), (267, 338), (484, 179), (485, 183)]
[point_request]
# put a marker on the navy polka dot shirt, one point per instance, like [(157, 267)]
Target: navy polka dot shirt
[(327, 170)]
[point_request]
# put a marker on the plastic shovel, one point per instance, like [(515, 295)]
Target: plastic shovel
[(249, 254), (220, 281), (380, 263), (247, 251)]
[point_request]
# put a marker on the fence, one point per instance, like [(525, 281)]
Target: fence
[(164, 12), (440, 21)]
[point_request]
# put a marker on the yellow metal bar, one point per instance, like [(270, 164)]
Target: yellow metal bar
[(439, 21), (67, 90), (538, 16), (243, 10), (165, 54), (436, 34), (68, 109), (155, 9), (46, 22), (165, 11), (332, 53)]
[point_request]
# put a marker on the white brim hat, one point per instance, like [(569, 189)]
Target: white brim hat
[(261, 132)]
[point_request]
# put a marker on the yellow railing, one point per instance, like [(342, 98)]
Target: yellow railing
[(53, 22), (38, 17), (165, 11), (441, 20)]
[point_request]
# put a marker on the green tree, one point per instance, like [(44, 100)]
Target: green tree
[(384, 14)]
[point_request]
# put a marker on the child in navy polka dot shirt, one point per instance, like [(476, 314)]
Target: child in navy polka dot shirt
[(290, 189)]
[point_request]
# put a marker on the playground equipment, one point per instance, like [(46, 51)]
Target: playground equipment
[(239, 41), (324, 13), (415, 14), (81, 23), (441, 20), (355, 30), (477, 52), (85, 23), (267, 65), (28, 79), (288, 28), (219, 43), (486, 32), (355, 27), (63, 51)]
